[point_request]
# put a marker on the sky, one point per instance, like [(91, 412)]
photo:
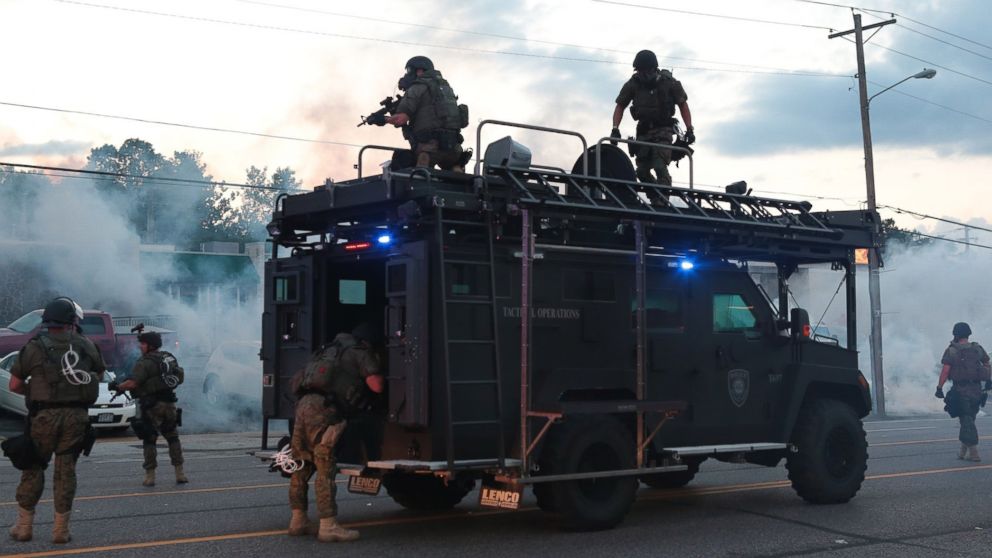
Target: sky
[(774, 102)]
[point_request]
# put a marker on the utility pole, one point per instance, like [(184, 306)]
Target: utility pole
[(874, 259)]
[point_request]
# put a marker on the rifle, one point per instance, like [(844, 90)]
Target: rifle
[(378, 118)]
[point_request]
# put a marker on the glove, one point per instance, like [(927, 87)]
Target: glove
[(939, 394), (615, 134), (114, 386), (376, 120), (690, 136)]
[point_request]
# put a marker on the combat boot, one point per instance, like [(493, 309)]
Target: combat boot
[(973, 453), (331, 531), (149, 478), (963, 451), (300, 524), (22, 530), (180, 475), (60, 530)]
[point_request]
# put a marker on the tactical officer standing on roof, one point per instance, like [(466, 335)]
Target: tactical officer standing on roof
[(335, 384), (966, 364), (431, 117), (153, 381), (654, 94), (63, 371)]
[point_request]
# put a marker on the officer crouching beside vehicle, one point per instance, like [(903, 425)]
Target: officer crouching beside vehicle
[(63, 371), (152, 383)]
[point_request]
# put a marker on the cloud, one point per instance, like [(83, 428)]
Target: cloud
[(53, 147), (797, 114)]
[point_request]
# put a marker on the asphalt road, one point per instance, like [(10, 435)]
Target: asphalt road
[(918, 500)]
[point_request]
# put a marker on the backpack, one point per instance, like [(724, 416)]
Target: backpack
[(169, 370), (450, 115), (326, 375), (967, 362), (52, 385), (653, 102)]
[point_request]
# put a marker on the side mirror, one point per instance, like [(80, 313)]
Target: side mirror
[(801, 329)]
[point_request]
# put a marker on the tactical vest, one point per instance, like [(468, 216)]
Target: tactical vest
[(325, 374), (653, 102), (966, 363), (449, 115), (51, 385)]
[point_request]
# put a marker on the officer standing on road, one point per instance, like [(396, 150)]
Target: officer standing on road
[(654, 94), (335, 384), (966, 364), (63, 371), (430, 116), (153, 381)]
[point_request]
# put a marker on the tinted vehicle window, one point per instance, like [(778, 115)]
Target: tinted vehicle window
[(663, 308), (589, 285), (93, 325), (26, 323), (732, 313), (8, 362)]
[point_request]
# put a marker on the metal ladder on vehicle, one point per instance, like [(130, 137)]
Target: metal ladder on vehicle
[(591, 194), (459, 380)]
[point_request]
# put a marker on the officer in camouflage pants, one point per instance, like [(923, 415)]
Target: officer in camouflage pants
[(59, 432), (316, 432), (966, 364)]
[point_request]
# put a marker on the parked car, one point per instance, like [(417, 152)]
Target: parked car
[(107, 413), (119, 347), (233, 375)]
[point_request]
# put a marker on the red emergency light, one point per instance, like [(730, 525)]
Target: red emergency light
[(356, 246)]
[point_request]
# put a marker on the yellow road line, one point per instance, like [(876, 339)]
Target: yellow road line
[(914, 442), (166, 492), (421, 519)]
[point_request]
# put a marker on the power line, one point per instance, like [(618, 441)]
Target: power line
[(934, 64), (952, 240), (107, 174), (178, 124), (941, 219), (903, 16), (498, 35), (720, 16), (428, 45), (929, 102)]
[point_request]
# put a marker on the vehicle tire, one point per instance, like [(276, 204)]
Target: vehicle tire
[(831, 454), (676, 479), (584, 445), (426, 492)]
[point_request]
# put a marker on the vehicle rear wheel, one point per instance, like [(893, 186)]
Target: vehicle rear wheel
[(586, 445), (676, 479), (831, 454), (426, 492)]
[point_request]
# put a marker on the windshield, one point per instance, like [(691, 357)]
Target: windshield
[(26, 323)]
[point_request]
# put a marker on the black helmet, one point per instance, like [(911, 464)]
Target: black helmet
[(152, 338), (961, 330), (61, 311), (645, 60), (419, 63)]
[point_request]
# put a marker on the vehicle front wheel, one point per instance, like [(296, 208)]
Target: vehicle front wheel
[(831, 453), (585, 445), (426, 492)]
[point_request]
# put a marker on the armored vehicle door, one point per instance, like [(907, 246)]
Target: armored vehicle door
[(740, 364), (287, 330), (406, 327)]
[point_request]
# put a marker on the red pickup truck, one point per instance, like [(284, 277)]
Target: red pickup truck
[(119, 348)]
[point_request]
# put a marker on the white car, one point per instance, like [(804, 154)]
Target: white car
[(233, 374), (104, 414)]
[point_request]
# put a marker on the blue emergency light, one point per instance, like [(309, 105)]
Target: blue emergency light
[(385, 239), (686, 265)]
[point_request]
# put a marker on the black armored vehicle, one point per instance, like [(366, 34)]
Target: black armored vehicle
[(573, 331)]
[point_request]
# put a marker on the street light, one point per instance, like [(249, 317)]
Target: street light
[(874, 294)]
